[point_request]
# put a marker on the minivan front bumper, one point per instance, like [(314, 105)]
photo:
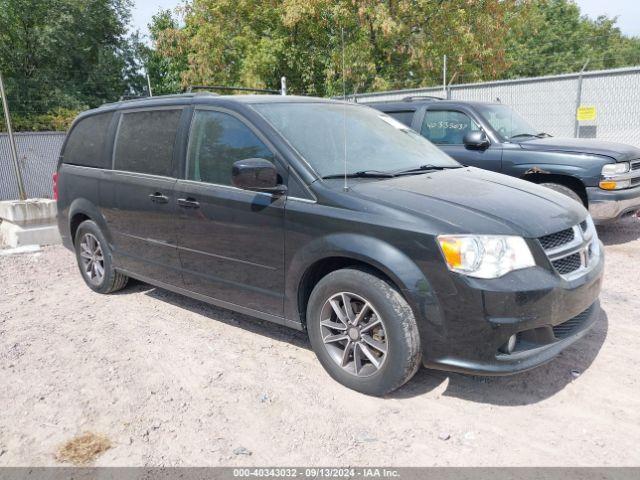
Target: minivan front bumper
[(544, 311), (610, 205)]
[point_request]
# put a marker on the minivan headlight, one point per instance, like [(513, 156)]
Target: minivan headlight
[(615, 168), (485, 256)]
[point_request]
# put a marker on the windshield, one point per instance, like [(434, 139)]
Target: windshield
[(374, 140), (507, 122)]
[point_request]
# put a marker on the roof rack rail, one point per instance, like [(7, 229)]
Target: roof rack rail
[(411, 98), (124, 98), (131, 98), (191, 88)]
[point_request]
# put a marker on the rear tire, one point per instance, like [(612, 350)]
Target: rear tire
[(95, 260), (569, 192), (372, 345)]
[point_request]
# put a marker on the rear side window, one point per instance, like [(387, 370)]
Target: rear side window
[(218, 140), (145, 141), (403, 117), (86, 142)]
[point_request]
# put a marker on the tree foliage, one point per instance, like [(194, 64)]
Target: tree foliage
[(61, 56), (387, 44), (164, 71), (552, 37)]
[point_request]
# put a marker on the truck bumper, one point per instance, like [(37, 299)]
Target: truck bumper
[(607, 206)]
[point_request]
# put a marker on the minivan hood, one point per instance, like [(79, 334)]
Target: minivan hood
[(471, 200), (620, 152)]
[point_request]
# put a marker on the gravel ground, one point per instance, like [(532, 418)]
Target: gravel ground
[(173, 381)]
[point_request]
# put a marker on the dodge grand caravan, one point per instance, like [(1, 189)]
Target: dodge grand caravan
[(335, 219)]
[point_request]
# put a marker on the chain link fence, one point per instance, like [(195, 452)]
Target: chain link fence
[(38, 154), (549, 103)]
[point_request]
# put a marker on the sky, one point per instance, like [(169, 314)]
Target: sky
[(143, 10), (627, 11)]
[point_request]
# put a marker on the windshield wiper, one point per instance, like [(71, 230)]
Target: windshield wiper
[(543, 135), (423, 169), (361, 174)]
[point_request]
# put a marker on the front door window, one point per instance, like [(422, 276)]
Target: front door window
[(217, 141), (447, 127)]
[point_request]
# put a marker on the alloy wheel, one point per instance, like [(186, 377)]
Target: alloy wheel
[(354, 334), (92, 259)]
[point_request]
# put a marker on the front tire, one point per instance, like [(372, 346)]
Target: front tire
[(569, 192), (363, 331), (95, 261)]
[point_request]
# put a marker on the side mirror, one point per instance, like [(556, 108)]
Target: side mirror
[(256, 174), (477, 140)]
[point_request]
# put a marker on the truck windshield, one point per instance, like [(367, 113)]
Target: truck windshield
[(374, 140), (508, 123)]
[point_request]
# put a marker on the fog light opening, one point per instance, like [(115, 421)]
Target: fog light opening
[(510, 344)]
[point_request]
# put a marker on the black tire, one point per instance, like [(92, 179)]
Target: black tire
[(399, 333), (569, 192), (111, 280)]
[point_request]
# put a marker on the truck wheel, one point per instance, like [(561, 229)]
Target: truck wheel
[(569, 192), (363, 331), (94, 259)]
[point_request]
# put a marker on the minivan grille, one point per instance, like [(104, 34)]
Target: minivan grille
[(584, 225), (635, 166), (557, 239), (569, 327), (567, 264), (572, 251)]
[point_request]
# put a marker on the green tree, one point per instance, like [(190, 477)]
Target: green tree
[(164, 71), (389, 44), (61, 56), (551, 36)]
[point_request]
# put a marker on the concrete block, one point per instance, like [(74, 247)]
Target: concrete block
[(28, 222), (16, 235), (35, 210)]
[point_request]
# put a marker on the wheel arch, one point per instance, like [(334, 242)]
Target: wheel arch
[(568, 181), (328, 254), (82, 209)]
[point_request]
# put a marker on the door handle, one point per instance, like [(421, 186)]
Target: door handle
[(158, 198), (188, 202)]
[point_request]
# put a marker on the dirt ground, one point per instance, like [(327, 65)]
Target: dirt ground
[(173, 381)]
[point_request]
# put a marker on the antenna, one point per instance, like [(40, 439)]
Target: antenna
[(344, 112)]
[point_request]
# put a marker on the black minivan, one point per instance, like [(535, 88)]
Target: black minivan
[(332, 218)]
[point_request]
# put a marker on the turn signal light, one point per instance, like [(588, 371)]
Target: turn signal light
[(452, 251), (613, 185)]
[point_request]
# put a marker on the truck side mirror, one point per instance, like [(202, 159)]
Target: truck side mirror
[(476, 140)]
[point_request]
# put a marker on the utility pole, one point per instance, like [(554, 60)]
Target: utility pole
[(149, 85), (578, 102), (453, 77), (12, 142), (444, 76)]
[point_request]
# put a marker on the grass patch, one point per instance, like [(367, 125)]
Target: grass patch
[(83, 449)]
